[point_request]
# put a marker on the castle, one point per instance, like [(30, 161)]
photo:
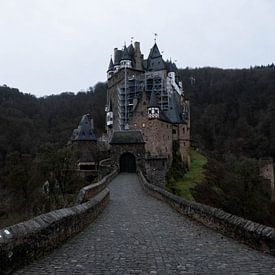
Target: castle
[(147, 117), (147, 113)]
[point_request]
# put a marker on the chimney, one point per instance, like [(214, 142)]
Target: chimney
[(138, 56), (137, 46)]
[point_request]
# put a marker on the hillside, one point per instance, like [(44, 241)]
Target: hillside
[(233, 110), (233, 123), (27, 122)]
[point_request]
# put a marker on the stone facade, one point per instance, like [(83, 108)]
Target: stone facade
[(137, 150), (147, 95), (156, 168), (157, 134)]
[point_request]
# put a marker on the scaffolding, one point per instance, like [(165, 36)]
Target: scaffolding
[(132, 88), (155, 81)]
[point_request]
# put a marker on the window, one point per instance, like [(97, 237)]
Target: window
[(183, 130), (174, 131)]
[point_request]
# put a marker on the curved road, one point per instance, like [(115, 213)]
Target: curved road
[(137, 234)]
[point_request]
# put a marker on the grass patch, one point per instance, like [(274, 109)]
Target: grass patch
[(182, 186)]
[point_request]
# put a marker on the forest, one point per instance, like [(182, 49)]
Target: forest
[(233, 124)]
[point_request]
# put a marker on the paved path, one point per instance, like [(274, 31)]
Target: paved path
[(137, 234)]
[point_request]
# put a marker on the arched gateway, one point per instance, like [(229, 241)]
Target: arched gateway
[(127, 163), (128, 150)]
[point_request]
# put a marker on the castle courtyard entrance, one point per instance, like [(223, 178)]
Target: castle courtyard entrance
[(127, 163)]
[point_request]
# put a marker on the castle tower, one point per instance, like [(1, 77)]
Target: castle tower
[(126, 59), (110, 71), (145, 95), (117, 58), (155, 61)]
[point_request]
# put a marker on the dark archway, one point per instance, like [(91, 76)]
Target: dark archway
[(127, 163)]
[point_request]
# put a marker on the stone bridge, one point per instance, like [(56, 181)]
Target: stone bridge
[(138, 234)]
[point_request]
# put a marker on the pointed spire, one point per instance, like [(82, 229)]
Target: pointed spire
[(131, 50), (125, 55), (84, 130), (153, 100), (111, 65), (154, 52)]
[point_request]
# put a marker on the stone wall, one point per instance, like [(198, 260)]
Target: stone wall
[(89, 191), (157, 134), (256, 235), (156, 169), (136, 149), (23, 242)]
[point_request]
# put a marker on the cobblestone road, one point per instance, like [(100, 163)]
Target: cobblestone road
[(137, 234)]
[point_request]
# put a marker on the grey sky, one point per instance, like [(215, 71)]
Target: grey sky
[(53, 46)]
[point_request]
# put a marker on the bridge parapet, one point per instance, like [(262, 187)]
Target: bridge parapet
[(254, 234), (92, 190), (23, 242)]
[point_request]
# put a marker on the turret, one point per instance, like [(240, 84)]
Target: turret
[(109, 118), (117, 58), (153, 108), (110, 71), (155, 61), (126, 60)]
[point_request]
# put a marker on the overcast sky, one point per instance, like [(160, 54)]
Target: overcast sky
[(53, 46)]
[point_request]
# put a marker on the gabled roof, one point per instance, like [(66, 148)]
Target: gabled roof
[(127, 137), (84, 132), (111, 65), (153, 100)]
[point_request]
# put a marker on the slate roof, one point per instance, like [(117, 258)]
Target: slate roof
[(171, 67), (131, 50), (154, 52), (127, 137), (111, 65), (84, 131), (174, 113), (155, 61), (125, 54)]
